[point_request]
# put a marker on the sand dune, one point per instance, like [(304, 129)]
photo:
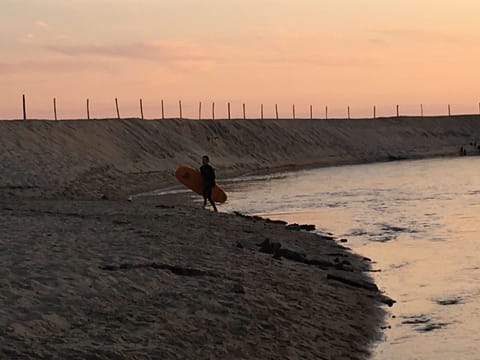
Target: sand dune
[(116, 157)]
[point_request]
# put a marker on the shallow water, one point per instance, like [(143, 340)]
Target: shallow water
[(418, 221)]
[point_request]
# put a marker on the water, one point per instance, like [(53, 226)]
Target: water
[(419, 222)]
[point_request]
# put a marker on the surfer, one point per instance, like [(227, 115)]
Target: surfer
[(208, 178)]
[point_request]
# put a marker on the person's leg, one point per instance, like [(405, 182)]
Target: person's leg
[(213, 204), (205, 197), (209, 196)]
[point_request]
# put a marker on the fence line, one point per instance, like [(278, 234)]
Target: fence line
[(294, 114)]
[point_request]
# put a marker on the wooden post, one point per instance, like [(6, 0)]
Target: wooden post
[(261, 111), (244, 116), (293, 111), (55, 108), (118, 111), (311, 112), (276, 111), (180, 108), (24, 107), (228, 108), (163, 111), (141, 109), (200, 111), (421, 110), (348, 112), (88, 109), (449, 113), (398, 111), (213, 110), (374, 112), (326, 112)]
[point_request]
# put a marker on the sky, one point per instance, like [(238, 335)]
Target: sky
[(356, 53)]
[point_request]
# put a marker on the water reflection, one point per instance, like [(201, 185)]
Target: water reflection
[(417, 219)]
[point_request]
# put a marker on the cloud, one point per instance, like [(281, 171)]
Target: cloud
[(412, 36), (162, 51), (42, 25), (175, 56), (51, 67)]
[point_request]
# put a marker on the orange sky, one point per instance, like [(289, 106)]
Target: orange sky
[(338, 53)]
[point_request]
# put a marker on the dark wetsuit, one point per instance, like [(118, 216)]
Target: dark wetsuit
[(208, 177)]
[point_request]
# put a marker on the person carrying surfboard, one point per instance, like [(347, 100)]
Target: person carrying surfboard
[(208, 179)]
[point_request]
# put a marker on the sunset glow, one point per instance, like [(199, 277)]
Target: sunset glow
[(342, 53)]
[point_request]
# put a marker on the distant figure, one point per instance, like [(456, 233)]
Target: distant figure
[(208, 177)]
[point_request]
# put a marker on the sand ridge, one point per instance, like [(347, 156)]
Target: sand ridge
[(80, 158)]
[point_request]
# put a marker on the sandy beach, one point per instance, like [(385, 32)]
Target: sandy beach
[(162, 279), (150, 280)]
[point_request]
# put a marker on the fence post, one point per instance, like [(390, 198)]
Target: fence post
[(293, 111), (55, 108), (228, 108), (163, 111), (180, 108), (348, 112), (276, 111), (244, 116), (118, 111), (326, 112), (449, 113), (213, 110), (311, 112), (88, 109), (374, 112), (141, 109), (200, 111), (398, 111), (421, 110), (24, 107), (261, 111)]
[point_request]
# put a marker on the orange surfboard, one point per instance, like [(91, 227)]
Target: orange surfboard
[(192, 179)]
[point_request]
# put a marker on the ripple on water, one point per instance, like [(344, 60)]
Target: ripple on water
[(423, 323), (395, 229), (449, 301), (399, 265), (356, 232)]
